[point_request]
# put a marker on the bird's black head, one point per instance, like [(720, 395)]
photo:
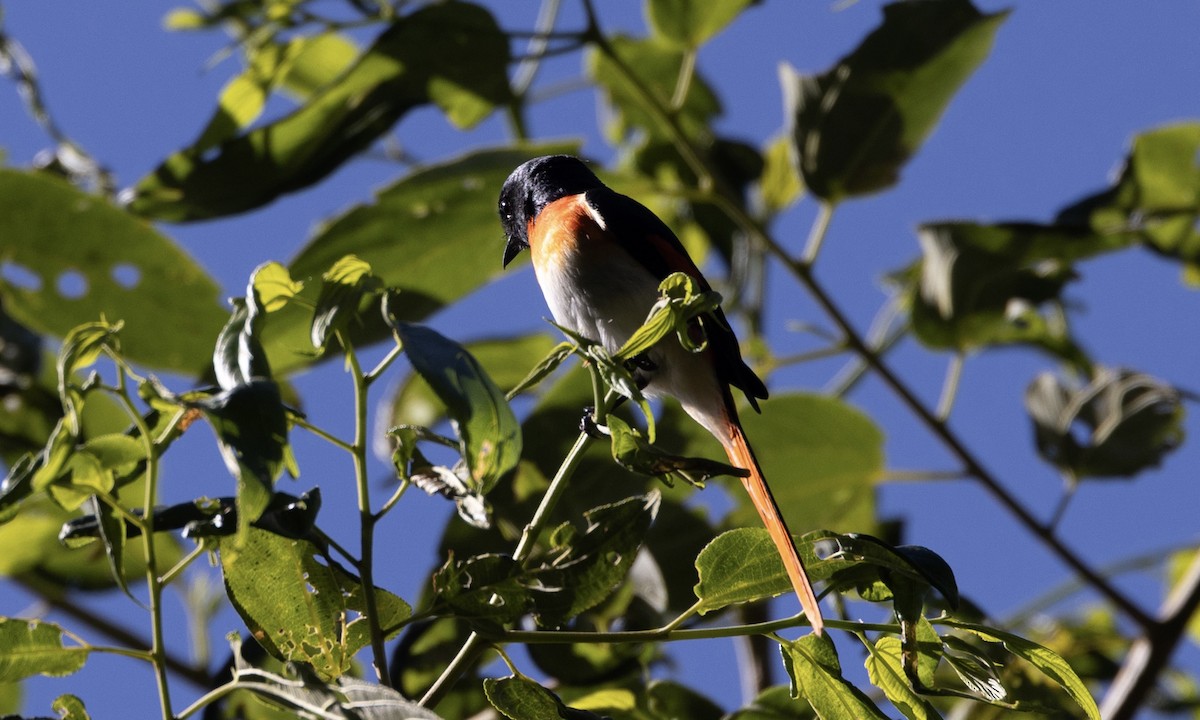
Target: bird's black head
[(533, 186)]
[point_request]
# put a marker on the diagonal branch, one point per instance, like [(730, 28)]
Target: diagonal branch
[(1152, 651)]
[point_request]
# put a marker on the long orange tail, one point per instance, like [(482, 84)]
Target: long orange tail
[(740, 454)]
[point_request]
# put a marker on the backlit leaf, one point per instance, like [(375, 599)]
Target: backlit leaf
[(855, 125), (86, 258), (33, 647), (691, 23), (452, 54)]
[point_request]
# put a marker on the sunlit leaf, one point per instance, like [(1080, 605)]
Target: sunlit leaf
[(343, 288), (298, 607), (131, 273), (69, 707), (816, 674), (34, 647), (885, 668), (691, 23), (451, 54), (738, 566), (855, 125), (1156, 198)]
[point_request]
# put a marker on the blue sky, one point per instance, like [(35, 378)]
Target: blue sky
[(1045, 121)]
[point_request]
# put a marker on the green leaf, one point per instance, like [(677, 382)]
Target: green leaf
[(239, 357), (505, 359), (635, 454), (885, 668), (33, 647), (780, 184), (132, 273), (344, 286), (983, 285), (273, 286), (420, 237), (484, 587), (855, 125), (691, 23), (816, 674), (1119, 424), (302, 66), (585, 570), (668, 699), (656, 63), (297, 607), (452, 54), (10, 697), (81, 348), (1156, 198), (70, 707), (520, 698), (1047, 661), (489, 432), (739, 566)]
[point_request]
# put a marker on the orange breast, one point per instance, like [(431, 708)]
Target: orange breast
[(556, 233)]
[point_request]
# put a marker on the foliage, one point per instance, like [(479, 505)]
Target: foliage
[(608, 579)]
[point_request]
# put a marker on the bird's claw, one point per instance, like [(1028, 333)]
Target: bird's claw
[(587, 424)]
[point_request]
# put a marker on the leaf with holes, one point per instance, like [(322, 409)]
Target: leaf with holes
[(33, 647), (70, 257), (296, 606)]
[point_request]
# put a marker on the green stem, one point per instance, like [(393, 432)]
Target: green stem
[(475, 644), (328, 437), (158, 653), (367, 518), (532, 637)]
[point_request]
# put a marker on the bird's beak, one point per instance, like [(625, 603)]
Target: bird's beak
[(512, 249)]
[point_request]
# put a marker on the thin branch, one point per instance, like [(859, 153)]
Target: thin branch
[(1151, 652), (951, 441), (475, 643), (950, 386), (104, 625)]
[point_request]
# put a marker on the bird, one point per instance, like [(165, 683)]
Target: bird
[(599, 257)]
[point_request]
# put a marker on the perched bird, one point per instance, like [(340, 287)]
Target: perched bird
[(599, 257)]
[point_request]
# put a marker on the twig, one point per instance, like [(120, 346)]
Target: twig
[(1152, 651)]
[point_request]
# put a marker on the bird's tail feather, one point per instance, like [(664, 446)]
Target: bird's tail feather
[(740, 454)]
